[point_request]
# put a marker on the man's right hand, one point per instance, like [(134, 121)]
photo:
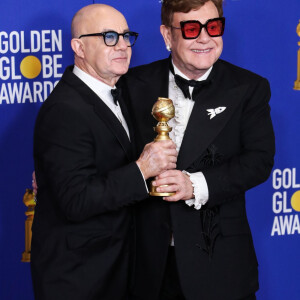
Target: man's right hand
[(157, 157)]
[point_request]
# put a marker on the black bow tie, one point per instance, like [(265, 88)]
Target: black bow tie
[(116, 94), (184, 85)]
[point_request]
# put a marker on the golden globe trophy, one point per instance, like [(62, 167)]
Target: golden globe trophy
[(29, 201), (297, 82), (163, 110)]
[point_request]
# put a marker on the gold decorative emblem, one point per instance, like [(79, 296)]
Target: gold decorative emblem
[(297, 82)]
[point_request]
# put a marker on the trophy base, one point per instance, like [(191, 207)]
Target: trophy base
[(153, 192), (161, 194), (297, 85), (25, 257)]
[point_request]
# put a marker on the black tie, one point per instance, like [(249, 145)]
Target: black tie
[(184, 85), (116, 94)]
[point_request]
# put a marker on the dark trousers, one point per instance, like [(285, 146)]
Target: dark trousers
[(171, 289)]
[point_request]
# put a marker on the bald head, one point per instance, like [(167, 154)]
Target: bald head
[(91, 53), (86, 19)]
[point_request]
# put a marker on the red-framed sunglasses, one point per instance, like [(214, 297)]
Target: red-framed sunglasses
[(191, 29)]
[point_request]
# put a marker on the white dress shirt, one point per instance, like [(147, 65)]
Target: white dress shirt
[(103, 91), (183, 109)]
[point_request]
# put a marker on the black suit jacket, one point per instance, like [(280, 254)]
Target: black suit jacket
[(87, 180), (234, 150)]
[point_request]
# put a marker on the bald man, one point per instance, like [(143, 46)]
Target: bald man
[(86, 169)]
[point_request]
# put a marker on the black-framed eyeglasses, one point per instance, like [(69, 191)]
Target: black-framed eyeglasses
[(191, 29), (111, 38)]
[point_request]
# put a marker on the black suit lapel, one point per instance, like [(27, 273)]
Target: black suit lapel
[(202, 129), (112, 122), (126, 116), (101, 109)]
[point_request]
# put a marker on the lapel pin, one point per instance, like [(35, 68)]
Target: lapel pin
[(212, 112)]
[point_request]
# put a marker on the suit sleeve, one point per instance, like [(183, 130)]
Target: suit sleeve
[(253, 164), (67, 167)]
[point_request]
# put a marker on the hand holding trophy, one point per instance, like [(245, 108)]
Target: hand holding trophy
[(163, 110)]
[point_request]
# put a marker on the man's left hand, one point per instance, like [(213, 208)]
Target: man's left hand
[(177, 182)]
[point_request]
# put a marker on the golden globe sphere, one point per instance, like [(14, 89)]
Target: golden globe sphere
[(163, 110)]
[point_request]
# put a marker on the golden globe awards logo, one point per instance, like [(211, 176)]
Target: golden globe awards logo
[(30, 65), (285, 202)]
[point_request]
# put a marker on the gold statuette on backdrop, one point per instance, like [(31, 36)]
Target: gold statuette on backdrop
[(163, 110), (297, 82), (29, 201)]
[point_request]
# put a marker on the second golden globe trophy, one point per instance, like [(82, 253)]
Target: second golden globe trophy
[(163, 110), (29, 201)]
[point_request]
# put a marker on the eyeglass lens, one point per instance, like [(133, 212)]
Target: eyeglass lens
[(111, 38), (193, 29)]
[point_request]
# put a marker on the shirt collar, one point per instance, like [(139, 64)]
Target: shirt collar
[(102, 89)]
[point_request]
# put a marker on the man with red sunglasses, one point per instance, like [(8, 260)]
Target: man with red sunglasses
[(197, 244)]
